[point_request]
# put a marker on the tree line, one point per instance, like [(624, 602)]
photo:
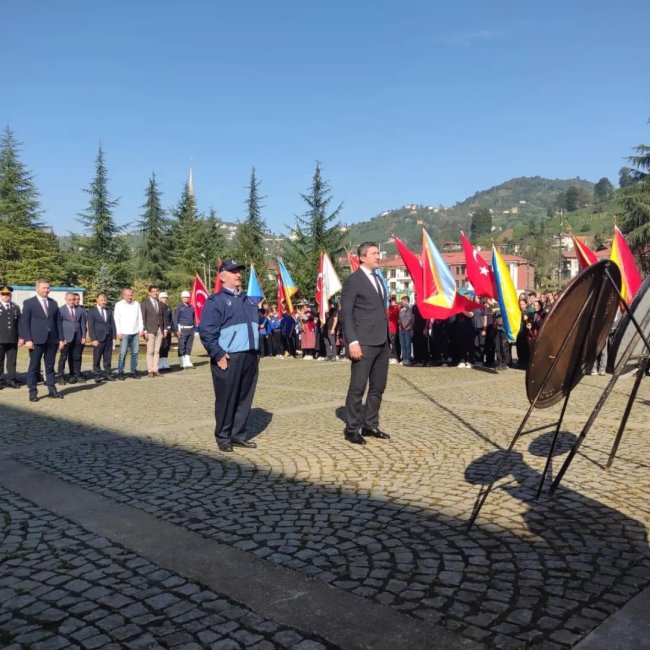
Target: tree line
[(165, 246)]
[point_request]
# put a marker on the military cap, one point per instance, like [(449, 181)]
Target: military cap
[(6, 289)]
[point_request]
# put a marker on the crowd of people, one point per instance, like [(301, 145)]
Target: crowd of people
[(45, 329)]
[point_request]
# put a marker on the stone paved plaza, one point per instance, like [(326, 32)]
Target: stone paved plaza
[(124, 526)]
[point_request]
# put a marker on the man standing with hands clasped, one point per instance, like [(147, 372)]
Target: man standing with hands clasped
[(365, 328), (229, 332)]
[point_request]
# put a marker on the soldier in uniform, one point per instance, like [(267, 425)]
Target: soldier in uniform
[(9, 340), (165, 346), (184, 322)]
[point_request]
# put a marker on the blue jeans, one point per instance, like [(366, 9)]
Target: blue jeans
[(129, 342), (405, 344)]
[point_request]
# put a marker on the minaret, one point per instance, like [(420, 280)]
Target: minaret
[(190, 184)]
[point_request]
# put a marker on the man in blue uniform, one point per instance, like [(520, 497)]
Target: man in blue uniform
[(229, 332), (184, 326)]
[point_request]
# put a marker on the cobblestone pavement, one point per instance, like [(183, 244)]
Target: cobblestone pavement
[(386, 521)]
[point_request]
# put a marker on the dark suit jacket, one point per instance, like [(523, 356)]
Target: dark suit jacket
[(35, 326), (152, 320), (9, 322), (363, 311), (70, 327), (98, 328)]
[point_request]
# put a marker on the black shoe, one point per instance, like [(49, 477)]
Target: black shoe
[(121, 376), (99, 379), (73, 380), (60, 379), (375, 433), (13, 384), (33, 397), (109, 377), (224, 446), (355, 438), (81, 379), (54, 394), (244, 443), (135, 375)]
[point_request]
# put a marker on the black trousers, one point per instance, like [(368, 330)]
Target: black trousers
[(8, 351), (330, 344), (103, 352), (371, 371), (234, 389), (289, 344), (276, 343), (72, 354), (46, 351)]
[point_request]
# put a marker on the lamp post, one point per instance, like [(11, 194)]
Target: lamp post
[(205, 281)]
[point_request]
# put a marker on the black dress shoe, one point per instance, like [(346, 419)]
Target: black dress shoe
[(109, 377), (54, 394), (13, 384), (224, 446), (374, 433), (121, 376), (99, 380), (73, 380), (244, 443), (135, 375), (355, 439), (33, 397)]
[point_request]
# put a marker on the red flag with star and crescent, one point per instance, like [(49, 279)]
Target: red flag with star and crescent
[(198, 297), (479, 273), (217, 280)]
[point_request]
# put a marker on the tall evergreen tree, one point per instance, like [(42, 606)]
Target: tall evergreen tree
[(248, 245), (316, 230), (19, 204), (185, 242), (152, 256), (106, 248), (481, 223), (213, 244)]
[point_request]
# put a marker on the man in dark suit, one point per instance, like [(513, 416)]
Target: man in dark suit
[(40, 328), (365, 328), (101, 328), (73, 324), (153, 318), (9, 320)]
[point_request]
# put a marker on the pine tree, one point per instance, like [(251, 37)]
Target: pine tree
[(213, 244), (106, 248), (152, 256), (19, 204), (316, 231), (248, 245), (481, 223), (185, 242)]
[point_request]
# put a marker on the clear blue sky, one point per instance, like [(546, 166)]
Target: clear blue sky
[(402, 102)]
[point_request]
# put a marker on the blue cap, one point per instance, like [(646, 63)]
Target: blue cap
[(231, 265)]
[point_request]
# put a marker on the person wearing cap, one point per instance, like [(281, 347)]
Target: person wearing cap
[(184, 322), (229, 332), (9, 340), (40, 328), (165, 346)]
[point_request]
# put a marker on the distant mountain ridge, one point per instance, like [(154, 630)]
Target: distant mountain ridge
[(514, 202)]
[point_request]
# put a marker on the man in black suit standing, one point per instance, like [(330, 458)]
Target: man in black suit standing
[(40, 328), (9, 319), (365, 328), (73, 325), (101, 327)]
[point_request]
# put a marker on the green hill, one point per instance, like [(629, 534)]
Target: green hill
[(514, 204)]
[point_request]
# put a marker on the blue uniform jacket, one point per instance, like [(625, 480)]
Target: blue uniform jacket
[(229, 323)]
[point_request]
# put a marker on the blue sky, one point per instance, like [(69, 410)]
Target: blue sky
[(409, 102)]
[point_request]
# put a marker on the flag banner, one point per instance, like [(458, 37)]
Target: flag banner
[(353, 261), (281, 299), (622, 256), (415, 270), (288, 285), (254, 289), (217, 280), (507, 296), (479, 274), (198, 297), (327, 285), (586, 257)]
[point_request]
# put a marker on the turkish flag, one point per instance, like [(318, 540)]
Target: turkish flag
[(479, 273), (353, 261), (198, 297)]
